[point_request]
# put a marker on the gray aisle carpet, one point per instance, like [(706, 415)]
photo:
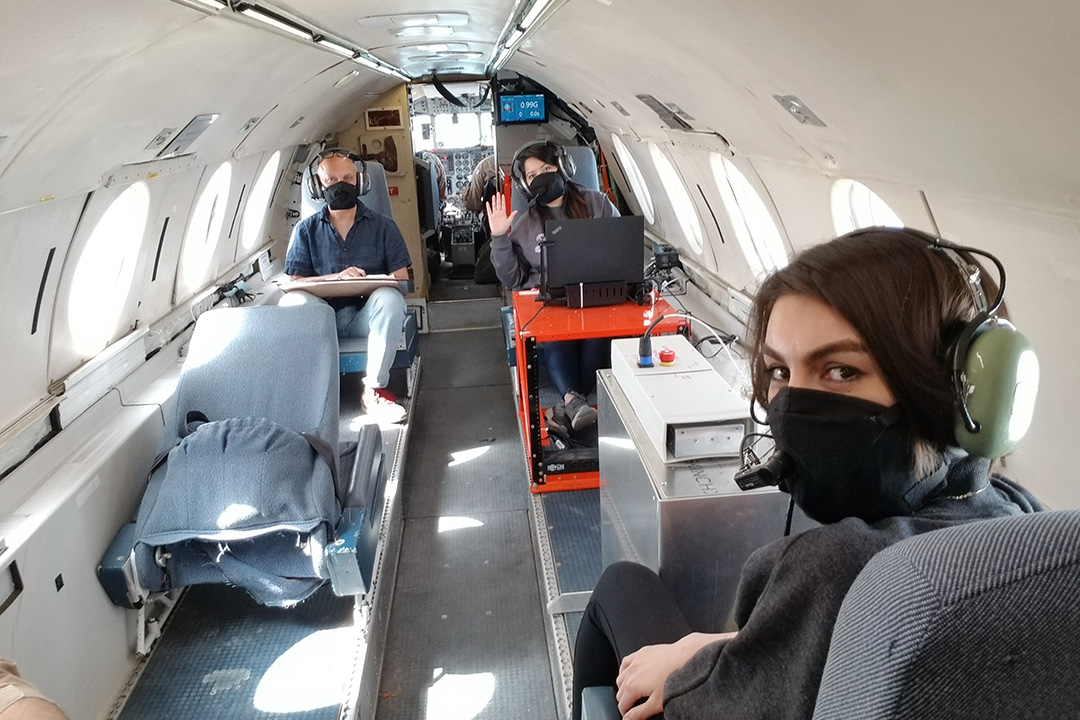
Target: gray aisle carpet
[(466, 635)]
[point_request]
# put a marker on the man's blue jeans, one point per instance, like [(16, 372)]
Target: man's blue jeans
[(380, 320)]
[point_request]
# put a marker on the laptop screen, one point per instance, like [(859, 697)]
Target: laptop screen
[(591, 251)]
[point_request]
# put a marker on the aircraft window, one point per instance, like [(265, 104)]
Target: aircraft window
[(679, 198), (487, 129), (251, 230), (856, 206), (754, 226), (204, 230), (423, 137), (460, 130), (106, 269), (634, 177)]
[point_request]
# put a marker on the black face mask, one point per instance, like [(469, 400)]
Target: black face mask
[(341, 196), (851, 457), (547, 187)]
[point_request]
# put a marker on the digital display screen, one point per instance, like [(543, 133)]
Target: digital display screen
[(522, 109)]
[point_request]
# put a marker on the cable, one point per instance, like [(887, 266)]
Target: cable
[(522, 330), (790, 511)]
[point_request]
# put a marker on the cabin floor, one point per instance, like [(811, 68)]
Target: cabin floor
[(469, 632)]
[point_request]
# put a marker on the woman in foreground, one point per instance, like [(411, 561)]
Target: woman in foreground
[(851, 356)]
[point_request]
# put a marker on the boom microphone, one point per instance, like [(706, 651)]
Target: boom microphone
[(771, 472)]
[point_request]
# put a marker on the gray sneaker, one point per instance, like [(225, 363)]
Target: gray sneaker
[(557, 421), (580, 412)]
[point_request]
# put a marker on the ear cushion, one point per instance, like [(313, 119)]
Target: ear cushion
[(1000, 379), (314, 185), (563, 162)]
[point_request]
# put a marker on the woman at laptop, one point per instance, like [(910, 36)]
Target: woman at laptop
[(542, 172)]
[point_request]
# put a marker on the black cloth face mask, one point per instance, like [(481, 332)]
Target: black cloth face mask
[(341, 196), (547, 187), (851, 457)]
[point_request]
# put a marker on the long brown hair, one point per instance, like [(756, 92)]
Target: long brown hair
[(909, 303)]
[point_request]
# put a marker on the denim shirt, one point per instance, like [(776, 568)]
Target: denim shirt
[(373, 244)]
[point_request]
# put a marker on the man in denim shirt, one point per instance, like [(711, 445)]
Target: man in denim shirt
[(346, 239)]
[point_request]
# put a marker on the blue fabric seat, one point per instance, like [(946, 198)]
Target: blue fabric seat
[(975, 621), (247, 489)]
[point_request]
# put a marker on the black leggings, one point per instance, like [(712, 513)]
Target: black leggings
[(630, 608)]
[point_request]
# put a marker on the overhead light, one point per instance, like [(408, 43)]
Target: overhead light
[(421, 20), (347, 79), (430, 30), (514, 37), (503, 57), (366, 62), (534, 12), (216, 4), (336, 47), (275, 22)]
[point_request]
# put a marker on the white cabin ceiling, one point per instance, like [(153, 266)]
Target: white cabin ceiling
[(969, 97)]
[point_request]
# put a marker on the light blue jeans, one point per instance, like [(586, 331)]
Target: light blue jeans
[(380, 320)]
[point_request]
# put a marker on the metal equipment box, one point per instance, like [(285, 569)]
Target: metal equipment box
[(688, 521)]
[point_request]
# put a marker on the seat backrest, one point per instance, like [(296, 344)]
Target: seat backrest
[(427, 190), (377, 197), (271, 361), (584, 174), (975, 621)]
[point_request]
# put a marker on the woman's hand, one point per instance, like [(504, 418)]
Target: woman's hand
[(498, 220), (643, 673)]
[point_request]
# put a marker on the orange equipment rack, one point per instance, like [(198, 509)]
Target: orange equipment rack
[(534, 323)]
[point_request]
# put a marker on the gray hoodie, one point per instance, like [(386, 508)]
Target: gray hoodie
[(516, 255)]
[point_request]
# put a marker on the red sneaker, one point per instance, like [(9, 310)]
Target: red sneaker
[(381, 403)]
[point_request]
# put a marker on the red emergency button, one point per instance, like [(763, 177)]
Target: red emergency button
[(667, 356)]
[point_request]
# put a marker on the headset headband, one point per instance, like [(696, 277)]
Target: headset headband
[(315, 188)]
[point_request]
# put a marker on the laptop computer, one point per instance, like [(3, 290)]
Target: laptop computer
[(592, 261)]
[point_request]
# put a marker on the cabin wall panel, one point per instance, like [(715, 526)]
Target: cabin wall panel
[(204, 67), (26, 237), (72, 641), (64, 357), (1041, 254), (171, 197), (913, 91)]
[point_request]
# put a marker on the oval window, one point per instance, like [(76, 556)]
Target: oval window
[(755, 229), (204, 230), (634, 177), (251, 229), (105, 271), (679, 198), (856, 206)]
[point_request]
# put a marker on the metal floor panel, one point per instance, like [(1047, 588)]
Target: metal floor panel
[(573, 519), (448, 288), (465, 454), (225, 656), (465, 314), (466, 635), (469, 358)]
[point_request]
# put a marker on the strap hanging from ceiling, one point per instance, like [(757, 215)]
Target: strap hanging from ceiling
[(453, 100)]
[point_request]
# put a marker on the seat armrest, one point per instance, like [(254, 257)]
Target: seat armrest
[(599, 703)]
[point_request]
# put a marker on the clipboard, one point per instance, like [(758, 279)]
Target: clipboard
[(346, 287)]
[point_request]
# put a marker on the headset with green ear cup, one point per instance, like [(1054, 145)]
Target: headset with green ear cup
[(314, 184), (563, 162), (995, 369)]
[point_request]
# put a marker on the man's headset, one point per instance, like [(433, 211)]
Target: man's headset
[(995, 374), (563, 162), (314, 184)]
